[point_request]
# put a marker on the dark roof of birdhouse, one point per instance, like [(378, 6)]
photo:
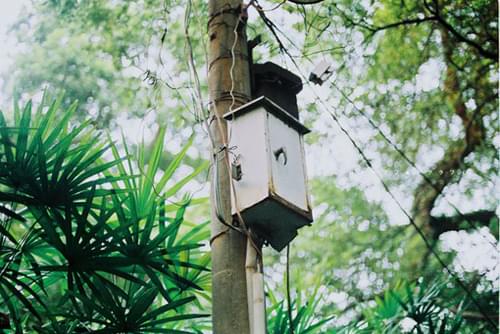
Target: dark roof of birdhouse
[(274, 72)]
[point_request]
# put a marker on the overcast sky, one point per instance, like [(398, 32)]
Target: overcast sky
[(9, 11)]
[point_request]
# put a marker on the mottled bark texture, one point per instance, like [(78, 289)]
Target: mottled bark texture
[(229, 86)]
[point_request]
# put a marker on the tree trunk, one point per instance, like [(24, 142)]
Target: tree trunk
[(227, 59)]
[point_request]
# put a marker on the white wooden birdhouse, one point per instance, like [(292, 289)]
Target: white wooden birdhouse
[(270, 180)]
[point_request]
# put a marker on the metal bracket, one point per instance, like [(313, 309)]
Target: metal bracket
[(236, 171)]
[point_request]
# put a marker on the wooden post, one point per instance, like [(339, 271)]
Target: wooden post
[(229, 87)]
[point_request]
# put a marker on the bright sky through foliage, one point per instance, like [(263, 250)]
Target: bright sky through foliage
[(9, 11)]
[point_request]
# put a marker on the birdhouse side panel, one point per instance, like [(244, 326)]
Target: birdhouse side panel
[(248, 145)]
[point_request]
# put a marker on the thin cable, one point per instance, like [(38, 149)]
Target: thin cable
[(410, 218), (225, 141), (405, 212), (201, 115), (407, 159), (233, 63), (192, 67), (274, 29), (218, 209), (224, 149), (271, 25), (413, 223), (288, 294), (233, 102), (216, 159)]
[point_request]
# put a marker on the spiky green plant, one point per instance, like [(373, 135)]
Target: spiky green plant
[(88, 243), (408, 308), (304, 320)]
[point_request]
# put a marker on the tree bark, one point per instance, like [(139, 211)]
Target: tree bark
[(229, 85), (442, 224)]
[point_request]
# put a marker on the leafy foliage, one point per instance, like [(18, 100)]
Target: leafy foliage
[(109, 56), (304, 321), (87, 243), (409, 308)]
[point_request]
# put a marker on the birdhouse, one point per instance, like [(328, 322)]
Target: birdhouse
[(270, 182)]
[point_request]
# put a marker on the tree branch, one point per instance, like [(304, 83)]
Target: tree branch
[(400, 23), (440, 19), (436, 16), (471, 315), (363, 24), (442, 224), (483, 52)]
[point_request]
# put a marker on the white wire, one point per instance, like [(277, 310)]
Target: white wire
[(231, 75)]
